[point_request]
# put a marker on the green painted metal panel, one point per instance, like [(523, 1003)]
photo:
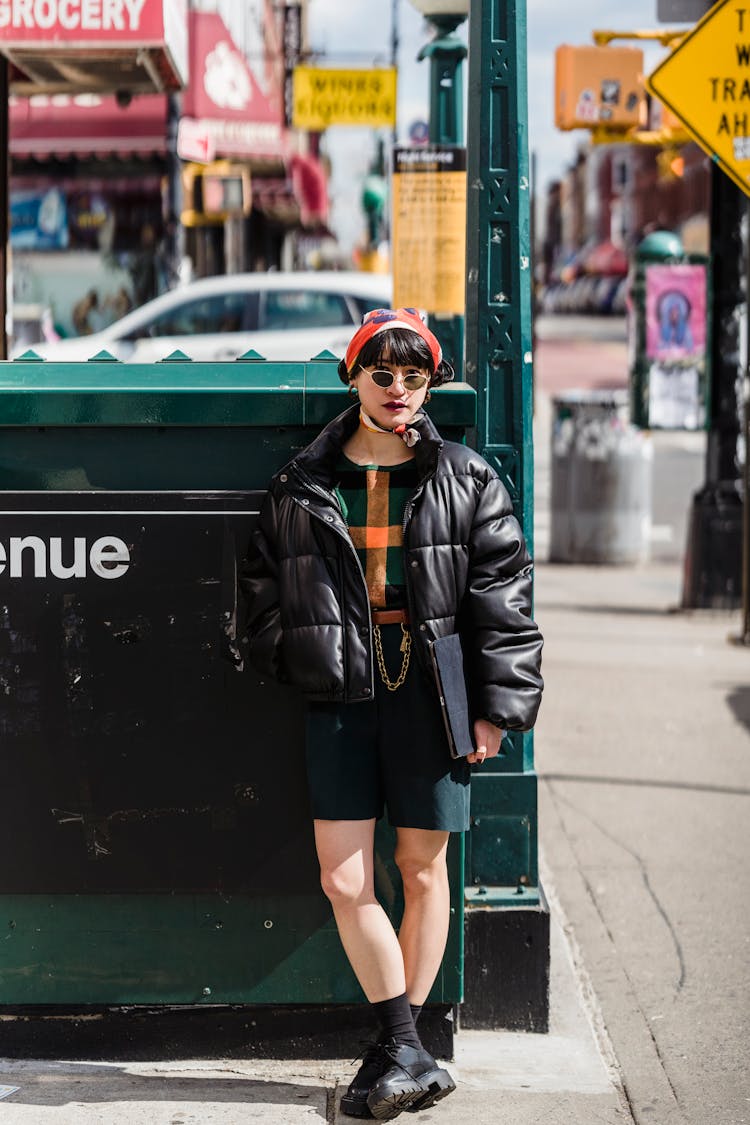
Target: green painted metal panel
[(229, 395), (501, 848), (498, 347), (188, 949), (499, 365), (114, 445), (173, 433)]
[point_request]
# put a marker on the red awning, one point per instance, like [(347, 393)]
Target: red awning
[(87, 125), (224, 98), (299, 199), (311, 189)]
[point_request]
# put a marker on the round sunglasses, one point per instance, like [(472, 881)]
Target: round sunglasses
[(383, 378)]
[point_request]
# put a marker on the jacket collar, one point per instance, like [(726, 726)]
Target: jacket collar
[(318, 460)]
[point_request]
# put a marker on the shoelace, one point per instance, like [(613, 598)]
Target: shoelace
[(370, 1052), (390, 1048)]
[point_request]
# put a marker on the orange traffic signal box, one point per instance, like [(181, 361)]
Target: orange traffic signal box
[(598, 86)]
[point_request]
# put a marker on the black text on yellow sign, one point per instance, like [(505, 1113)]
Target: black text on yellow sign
[(429, 228), (706, 82), (343, 97)]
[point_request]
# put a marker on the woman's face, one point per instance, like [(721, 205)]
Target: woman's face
[(393, 405)]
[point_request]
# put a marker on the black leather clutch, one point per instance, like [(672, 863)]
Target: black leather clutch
[(448, 663)]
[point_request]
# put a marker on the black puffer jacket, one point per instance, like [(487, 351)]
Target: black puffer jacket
[(466, 565)]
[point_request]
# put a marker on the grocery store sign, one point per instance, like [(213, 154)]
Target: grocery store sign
[(37, 18), (706, 83), (85, 46)]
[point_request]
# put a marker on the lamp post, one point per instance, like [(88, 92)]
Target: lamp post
[(446, 53)]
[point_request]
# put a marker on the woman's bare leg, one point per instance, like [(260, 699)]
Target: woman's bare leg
[(345, 853), (421, 859)]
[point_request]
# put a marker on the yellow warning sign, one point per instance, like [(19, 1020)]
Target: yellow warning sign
[(429, 228), (343, 97), (706, 82)]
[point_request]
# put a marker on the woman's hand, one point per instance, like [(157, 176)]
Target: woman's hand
[(487, 739)]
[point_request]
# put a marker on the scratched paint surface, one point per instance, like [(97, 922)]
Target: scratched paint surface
[(155, 834), (136, 754)]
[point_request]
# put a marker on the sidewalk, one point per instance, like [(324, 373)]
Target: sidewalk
[(643, 753), (562, 1078)]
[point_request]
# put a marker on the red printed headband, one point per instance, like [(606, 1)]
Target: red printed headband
[(381, 319)]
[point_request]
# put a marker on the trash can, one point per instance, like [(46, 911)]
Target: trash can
[(601, 480)]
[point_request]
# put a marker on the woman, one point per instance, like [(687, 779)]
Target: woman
[(373, 541)]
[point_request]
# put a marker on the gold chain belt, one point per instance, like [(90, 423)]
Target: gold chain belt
[(405, 648)]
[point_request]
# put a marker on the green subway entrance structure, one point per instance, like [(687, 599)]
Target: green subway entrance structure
[(158, 872)]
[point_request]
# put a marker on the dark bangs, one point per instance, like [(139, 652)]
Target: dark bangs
[(398, 346)]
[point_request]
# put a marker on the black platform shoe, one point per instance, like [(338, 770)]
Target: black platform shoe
[(413, 1080), (374, 1064)]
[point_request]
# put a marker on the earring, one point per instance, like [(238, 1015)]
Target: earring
[(352, 391)]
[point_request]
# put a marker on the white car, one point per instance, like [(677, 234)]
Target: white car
[(279, 315)]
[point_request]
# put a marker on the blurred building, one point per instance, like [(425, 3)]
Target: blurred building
[(612, 195)]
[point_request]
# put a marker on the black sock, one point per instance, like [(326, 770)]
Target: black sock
[(396, 1020), (415, 1010)]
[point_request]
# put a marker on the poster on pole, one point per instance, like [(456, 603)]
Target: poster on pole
[(428, 228), (676, 345)]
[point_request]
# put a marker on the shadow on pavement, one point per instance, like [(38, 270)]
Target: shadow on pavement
[(739, 704), (647, 783), (51, 1087)]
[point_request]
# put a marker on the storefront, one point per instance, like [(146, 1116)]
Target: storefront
[(86, 207), (91, 191), (235, 107), (83, 179)]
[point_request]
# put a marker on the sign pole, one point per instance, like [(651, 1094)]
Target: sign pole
[(745, 629), (446, 53), (714, 556), (498, 364), (703, 81)]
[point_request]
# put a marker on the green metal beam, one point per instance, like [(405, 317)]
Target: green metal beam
[(502, 850), (498, 303)]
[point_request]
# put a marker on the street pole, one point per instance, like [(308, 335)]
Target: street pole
[(394, 57), (717, 560), (506, 967), (713, 569), (446, 53), (174, 232), (745, 629), (743, 637)]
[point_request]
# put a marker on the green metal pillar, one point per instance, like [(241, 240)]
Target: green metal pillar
[(446, 53), (502, 880)]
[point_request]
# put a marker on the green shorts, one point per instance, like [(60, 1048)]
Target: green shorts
[(392, 753)]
